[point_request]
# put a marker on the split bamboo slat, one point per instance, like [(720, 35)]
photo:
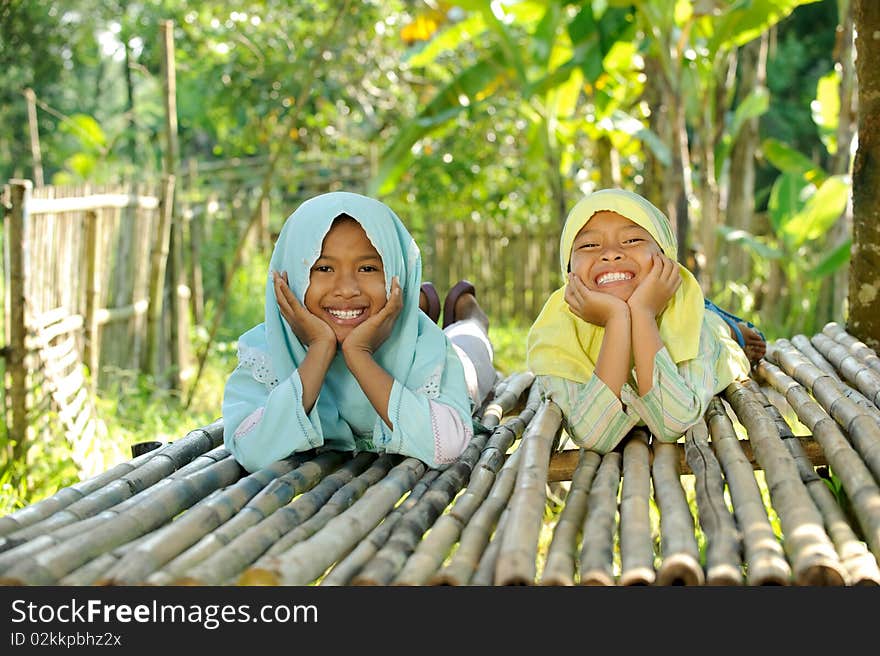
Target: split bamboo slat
[(187, 514)]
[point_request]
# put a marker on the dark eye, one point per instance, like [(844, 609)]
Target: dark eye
[(588, 245), (369, 268), (322, 268), (633, 240)]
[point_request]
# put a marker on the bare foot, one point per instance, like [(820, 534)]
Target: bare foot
[(467, 307), (755, 347)]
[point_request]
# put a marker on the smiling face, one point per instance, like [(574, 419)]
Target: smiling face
[(612, 254), (347, 281)]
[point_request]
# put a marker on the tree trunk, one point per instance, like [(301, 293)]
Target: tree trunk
[(864, 285)]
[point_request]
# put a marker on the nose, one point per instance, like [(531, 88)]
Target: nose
[(347, 285), (611, 254)]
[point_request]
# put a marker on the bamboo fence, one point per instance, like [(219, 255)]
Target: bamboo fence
[(777, 485)]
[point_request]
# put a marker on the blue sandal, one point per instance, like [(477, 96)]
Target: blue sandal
[(733, 321)]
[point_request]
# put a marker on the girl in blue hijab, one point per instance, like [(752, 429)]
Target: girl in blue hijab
[(344, 358)]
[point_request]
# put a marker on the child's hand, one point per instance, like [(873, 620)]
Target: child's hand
[(657, 287), (594, 307), (305, 325), (372, 333)]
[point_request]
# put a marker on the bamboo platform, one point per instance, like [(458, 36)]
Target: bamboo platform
[(777, 486)]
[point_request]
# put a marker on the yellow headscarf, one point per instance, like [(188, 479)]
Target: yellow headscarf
[(562, 344)]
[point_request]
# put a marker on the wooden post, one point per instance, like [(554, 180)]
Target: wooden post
[(195, 223), (35, 136), (15, 243), (159, 253), (93, 293)]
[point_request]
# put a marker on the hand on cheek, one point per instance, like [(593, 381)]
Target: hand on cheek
[(372, 333), (657, 287), (308, 328), (592, 306)]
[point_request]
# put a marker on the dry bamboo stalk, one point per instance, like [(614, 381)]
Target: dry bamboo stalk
[(596, 560), (858, 348), (514, 387), (69, 529), (307, 560), (300, 519), (853, 370), (476, 534), (168, 459), (518, 552), (559, 569), (812, 556), (680, 563), (49, 566), (409, 530), (484, 574), (795, 362), (861, 427), (764, 557), (89, 573), (723, 542), (858, 483), (171, 540), (344, 571), (859, 565), (430, 552), (802, 343), (636, 545), (44, 508)]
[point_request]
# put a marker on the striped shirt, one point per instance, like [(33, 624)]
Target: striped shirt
[(597, 420)]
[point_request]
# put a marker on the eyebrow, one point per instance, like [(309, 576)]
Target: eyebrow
[(363, 258)]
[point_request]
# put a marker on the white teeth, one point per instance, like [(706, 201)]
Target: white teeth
[(613, 277), (346, 314)]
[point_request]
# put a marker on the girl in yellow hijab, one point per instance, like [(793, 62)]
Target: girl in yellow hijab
[(627, 340)]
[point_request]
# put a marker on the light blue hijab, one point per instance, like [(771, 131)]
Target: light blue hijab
[(413, 354)]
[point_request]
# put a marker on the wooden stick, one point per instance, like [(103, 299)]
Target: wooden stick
[(597, 548), (723, 540), (813, 559), (858, 348), (344, 571), (680, 556), (307, 560), (853, 369), (560, 566), (764, 558), (517, 558), (858, 483), (636, 545), (170, 541)]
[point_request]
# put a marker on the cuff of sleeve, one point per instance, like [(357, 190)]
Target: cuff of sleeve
[(309, 423), (383, 436)]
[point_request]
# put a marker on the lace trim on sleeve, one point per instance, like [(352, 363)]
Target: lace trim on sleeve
[(259, 364), (431, 386)]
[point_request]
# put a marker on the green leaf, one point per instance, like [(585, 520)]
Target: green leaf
[(749, 241), (788, 160), (756, 104), (785, 199), (833, 261), (86, 129), (826, 109), (820, 212), (447, 40), (745, 20)]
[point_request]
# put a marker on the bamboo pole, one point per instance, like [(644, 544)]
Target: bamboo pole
[(812, 556), (802, 343), (853, 369), (476, 534), (514, 387), (409, 531), (559, 569), (723, 540), (47, 567), (307, 560), (430, 552), (518, 552), (860, 486), (343, 571), (596, 559), (165, 461), (858, 348), (764, 558), (680, 556), (485, 572), (17, 436), (34, 132), (636, 546), (169, 541), (92, 353), (859, 565), (42, 509), (296, 521), (859, 422)]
